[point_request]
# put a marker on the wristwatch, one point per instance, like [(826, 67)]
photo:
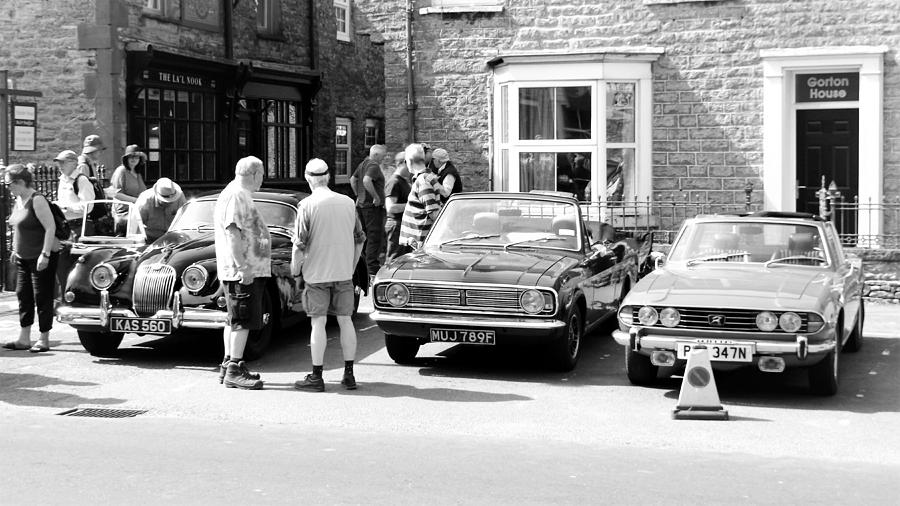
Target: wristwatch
[(45, 254)]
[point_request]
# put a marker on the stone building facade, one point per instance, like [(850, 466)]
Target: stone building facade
[(197, 83), (682, 99)]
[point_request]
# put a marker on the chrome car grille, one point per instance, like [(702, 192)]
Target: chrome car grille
[(153, 288), (736, 320), (454, 299)]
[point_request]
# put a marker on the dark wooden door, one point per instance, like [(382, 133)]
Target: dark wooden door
[(827, 145)]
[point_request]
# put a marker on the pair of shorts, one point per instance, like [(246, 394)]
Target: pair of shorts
[(322, 299), (244, 304)]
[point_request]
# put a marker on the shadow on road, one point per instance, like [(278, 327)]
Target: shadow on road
[(393, 390), (22, 390)]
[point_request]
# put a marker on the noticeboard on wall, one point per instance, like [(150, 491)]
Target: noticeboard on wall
[(24, 127)]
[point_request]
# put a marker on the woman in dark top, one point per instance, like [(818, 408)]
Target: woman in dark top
[(127, 183), (35, 252)]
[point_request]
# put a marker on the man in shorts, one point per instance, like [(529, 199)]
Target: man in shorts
[(328, 240), (243, 258)]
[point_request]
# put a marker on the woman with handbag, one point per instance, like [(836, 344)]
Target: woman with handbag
[(36, 253)]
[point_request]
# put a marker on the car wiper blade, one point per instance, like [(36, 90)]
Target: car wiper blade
[(793, 257), (468, 237), (717, 256), (539, 239)]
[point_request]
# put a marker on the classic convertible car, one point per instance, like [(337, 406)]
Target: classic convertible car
[(504, 268), (771, 290), (133, 238), (171, 285)]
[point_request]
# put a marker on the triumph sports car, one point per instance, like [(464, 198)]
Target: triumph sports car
[(768, 290)]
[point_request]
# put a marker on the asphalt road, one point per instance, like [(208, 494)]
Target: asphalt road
[(462, 426)]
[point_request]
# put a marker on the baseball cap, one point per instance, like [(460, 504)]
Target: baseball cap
[(92, 143), (67, 155)]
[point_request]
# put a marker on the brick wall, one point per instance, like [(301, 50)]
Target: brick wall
[(707, 123)]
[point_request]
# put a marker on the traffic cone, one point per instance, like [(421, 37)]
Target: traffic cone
[(699, 399)]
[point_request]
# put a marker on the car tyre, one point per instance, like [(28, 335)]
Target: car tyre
[(824, 376), (855, 342), (639, 369), (100, 344), (568, 348), (402, 350), (258, 340)]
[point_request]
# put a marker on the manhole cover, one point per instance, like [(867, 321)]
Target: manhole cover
[(103, 412)]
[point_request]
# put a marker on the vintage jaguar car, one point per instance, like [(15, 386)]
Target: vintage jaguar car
[(504, 268), (134, 232), (171, 285), (771, 290)]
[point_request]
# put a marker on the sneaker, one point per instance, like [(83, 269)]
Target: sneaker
[(223, 367), (349, 381), (311, 384), (237, 376)]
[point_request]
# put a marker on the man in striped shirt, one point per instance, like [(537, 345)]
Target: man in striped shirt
[(424, 200)]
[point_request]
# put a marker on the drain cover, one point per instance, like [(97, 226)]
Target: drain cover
[(103, 412)]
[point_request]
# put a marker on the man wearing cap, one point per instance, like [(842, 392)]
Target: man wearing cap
[(72, 202), (367, 182), (244, 263), (157, 207), (447, 174), (328, 240), (88, 161)]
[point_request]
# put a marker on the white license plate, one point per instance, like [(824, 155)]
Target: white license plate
[(720, 351), (462, 336), (140, 325)]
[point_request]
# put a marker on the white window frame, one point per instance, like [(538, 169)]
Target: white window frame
[(343, 35), (155, 6), (267, 16), (579, 69), (347, 148)]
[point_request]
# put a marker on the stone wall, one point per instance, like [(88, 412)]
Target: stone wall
[(882, 271), (707, 136)]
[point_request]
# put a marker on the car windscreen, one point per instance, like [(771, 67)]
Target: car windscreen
[(728, 241), (508, 223), (199, 214)]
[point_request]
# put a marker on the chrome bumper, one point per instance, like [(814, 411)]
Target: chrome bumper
[(637, 340), (467, 321), (181, 317)]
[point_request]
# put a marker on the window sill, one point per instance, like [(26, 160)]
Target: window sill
[(460, 6), (273, 36)]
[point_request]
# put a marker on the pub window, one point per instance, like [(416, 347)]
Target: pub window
[(178, 131), (589, 137), (268, 16), (374, 132), (342, 18), (204, 14), (342, 145), (282, 132)]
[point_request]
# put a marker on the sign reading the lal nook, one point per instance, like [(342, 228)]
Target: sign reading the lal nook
[(178, 78), (827, 87)]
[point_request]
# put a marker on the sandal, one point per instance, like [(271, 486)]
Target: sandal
[(14, 345), (38, 348)]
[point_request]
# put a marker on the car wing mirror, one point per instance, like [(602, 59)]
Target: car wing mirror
[(659, 259)]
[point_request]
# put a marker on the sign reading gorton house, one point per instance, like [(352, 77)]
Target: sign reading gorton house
[(827, 87)]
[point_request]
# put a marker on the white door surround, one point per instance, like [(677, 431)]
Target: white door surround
[(779, 121)]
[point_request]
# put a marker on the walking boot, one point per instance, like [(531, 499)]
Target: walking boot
[(237, 376)]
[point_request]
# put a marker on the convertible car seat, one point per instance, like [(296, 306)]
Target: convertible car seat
[(799, 244), (725, 242)]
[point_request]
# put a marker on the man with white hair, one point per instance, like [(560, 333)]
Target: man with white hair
[(367, 183), (423, 203), (328, 240), (243, 260)]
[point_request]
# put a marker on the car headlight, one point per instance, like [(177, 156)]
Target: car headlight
[(397, 294), (103, 276), (670, 317), (766, 321), (532, 301), (789, 322), (194, 278), (648, 316)]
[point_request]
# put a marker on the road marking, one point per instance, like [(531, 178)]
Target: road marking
[(367, 328)]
